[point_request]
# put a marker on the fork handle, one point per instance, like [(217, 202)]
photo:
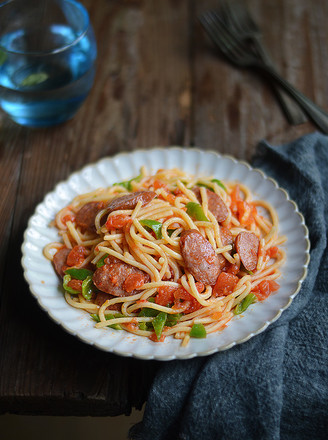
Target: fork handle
[(291, 108), (317, 114)]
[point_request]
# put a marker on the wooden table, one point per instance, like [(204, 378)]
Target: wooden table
[(158, 82)]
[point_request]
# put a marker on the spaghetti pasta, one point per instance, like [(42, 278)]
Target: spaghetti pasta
[(167, 254)]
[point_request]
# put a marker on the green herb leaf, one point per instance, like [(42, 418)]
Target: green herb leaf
[(34, 79), (3, 57)]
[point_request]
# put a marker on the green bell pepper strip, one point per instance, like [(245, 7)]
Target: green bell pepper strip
[(67, 278), (101, 262), (154, 225), (114, 326), (79, 274), (127, 184), (219, 183), (158, 323), (196, 211), (213, 181), (87, 287), (96, 318), (246, 302), (172, 320), (198, 331), (143, 326), (148, 312)]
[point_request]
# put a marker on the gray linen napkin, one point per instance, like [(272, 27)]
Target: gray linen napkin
[(275, 386)]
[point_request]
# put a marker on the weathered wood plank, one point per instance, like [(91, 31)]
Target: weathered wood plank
[(140, 98), (235, 108)]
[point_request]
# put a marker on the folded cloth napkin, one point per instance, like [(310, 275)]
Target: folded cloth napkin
[(274, 386)]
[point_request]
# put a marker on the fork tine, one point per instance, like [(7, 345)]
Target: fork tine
[(233, 48), (238, 18)]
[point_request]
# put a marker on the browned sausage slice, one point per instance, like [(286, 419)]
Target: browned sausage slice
[(129, 201), (226, 236), (59, 261), (247, 246), (111, 277), (199, 257), (215, 204), (102, 297), (85, 217)]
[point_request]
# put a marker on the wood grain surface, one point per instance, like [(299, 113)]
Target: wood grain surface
[(159, 81)]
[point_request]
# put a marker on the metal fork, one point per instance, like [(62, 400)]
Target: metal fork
[(241, 54), (238, 19)]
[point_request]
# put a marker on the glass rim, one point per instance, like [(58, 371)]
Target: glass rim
[(85, 29)]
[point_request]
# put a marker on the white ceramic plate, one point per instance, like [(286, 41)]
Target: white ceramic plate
[(43, 282)]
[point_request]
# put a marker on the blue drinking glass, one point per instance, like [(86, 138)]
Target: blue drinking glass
[(47, 60)]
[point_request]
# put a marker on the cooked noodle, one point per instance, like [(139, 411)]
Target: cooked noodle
[(160, 257)]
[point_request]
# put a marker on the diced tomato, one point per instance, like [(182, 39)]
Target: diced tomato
[(199, 286), (225, 284), (153, 337), (117, 221), (76, 256), (235, 197), (239, 207), (231, 268), (265, 288), (272, 251), (132, 326), (75, 284), (242, 209), (170, 198), (180, 296), (168, 295), (133, 281), (159, 184), (68, 218), (165, 295)]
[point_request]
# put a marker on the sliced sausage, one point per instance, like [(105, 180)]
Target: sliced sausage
[(247, 246), (110, 278), (215, 204), (102, 297), (59, 261), (85, 217), (129, 201), (199, 257), (226, 236)]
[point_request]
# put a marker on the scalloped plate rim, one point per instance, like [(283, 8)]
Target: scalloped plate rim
[(165, 150)]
